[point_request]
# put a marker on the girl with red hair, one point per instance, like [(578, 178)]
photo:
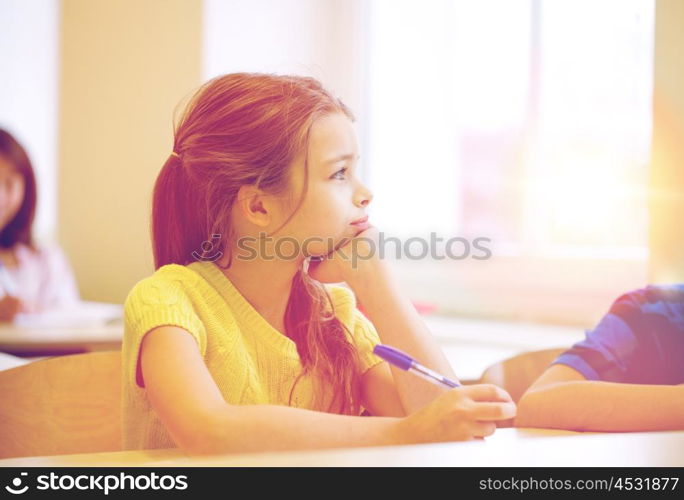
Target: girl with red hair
[(239, 341)]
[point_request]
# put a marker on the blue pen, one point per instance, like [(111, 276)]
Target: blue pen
[(406, 362)]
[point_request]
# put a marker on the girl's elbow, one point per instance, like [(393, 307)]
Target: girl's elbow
[(194, 442), (207, 435), (194, 446)]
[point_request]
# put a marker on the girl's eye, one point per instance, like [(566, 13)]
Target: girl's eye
[(337, 174)]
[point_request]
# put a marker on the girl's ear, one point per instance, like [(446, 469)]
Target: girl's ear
[(254, 205)]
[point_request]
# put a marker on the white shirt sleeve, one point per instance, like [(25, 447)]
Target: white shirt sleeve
[(59, 283)]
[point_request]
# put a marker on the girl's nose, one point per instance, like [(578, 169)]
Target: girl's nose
[(363, 196)]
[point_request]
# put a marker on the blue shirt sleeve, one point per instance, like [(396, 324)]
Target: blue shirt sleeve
[(640, 340)]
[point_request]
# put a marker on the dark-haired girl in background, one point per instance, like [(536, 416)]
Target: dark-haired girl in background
[(32, 279)]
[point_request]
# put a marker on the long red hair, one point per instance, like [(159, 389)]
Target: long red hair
[(248, 128)]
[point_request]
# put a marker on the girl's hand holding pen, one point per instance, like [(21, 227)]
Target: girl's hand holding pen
[(9, 307), (460, 414), (475, 410)]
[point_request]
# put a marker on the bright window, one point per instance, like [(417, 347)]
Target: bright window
[(527, 123)]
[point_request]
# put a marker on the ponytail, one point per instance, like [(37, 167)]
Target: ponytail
[(177, 230)]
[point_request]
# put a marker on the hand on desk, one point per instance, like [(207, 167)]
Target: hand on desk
[(9, 307)]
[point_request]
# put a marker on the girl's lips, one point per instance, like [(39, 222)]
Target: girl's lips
[(362, 224)]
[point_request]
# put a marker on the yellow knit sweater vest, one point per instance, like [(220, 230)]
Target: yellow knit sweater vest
[(250, 361)]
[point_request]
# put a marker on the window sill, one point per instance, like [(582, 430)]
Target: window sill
[(472, 345)]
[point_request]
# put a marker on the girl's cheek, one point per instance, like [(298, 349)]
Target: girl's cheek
[(16, 193)]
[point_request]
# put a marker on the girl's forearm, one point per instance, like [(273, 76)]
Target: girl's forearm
[(603, 407), (399, 325), (260, 428)]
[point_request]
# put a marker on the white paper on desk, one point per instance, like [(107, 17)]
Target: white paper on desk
[(82, 314)]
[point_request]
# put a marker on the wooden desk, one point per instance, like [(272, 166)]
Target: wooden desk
[(89, 326), (54, 341), (506, 448)]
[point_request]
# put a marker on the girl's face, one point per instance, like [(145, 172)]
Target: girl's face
[(335, 195), (11, 191)]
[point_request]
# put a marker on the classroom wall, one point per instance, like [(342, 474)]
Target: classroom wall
[(667, 168), (124, 67)]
